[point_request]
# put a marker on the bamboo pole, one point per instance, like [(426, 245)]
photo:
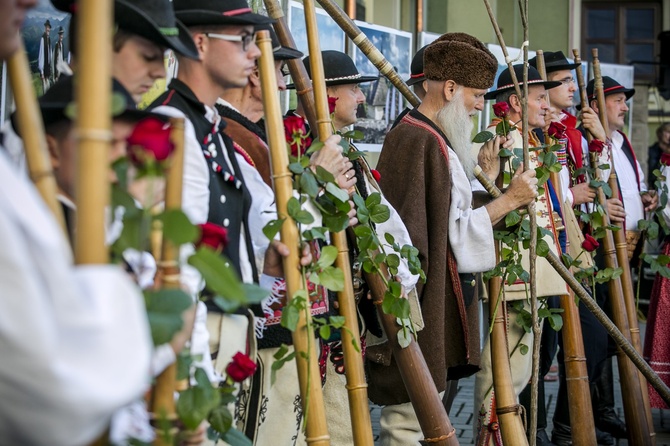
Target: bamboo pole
[(590, 303), (93, 123), (367, 47), (634, 408), (31, 130), (353, 361), (163, 403), (577, 379), (303, 336), (303, 84)]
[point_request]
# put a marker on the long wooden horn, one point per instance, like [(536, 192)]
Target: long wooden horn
[(163, 403), (31, 130), (433, 419), (357, 386), (577, 379), (367, 47), (303, 84), (303, 336), (617, 256)]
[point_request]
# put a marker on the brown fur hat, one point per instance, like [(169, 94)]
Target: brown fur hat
[(461, 58)]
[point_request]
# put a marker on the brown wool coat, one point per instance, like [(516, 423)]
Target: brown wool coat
[(414, 168), (253, 145)]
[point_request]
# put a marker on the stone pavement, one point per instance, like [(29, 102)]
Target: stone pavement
[(463, 419)]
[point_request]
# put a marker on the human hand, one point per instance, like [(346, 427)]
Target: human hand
[(195, 437), (273, 265), (582, 193), (353, 220), (649, 200), (523, 187), (616, 210), (488, 158), (591, 122), (180, 338)]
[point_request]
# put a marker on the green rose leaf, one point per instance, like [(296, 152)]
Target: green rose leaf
[(542, 248), (308, 183), (404, 338), (523, 348), (177, 227), (164, 309), (379, 213), (339, 193), (221, 419), (196, 402), (272, 228), (219, 277), (328, 256), (482, 137), (332, 278), (324, 176), (236, 438), (373, 199)]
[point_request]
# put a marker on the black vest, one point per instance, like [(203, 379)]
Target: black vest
[(229, 199)]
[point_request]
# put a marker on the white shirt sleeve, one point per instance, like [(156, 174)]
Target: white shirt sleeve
[(470, 230), (74, 341)]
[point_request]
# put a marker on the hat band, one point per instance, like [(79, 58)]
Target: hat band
[(607, 90), (169, 31), (343, 78), (505, 87), (414, 76), (236, 12)]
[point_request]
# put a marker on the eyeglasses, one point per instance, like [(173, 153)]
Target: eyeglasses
[(567, 80), (246, 39)]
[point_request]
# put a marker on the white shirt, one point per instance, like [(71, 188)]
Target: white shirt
[(74, 341)]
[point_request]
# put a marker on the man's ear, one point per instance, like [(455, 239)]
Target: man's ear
[(515, 103), (594, 105), (201, 42), (254, 78), (54, 153), (449, 90)]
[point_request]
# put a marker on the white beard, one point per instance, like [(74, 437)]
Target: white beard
[(454, 120)]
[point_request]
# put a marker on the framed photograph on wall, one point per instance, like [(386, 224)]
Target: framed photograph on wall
[(383, 101), (331, 36), (46, 36)]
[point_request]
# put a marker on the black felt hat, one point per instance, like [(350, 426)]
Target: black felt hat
[(555, 61), (279, 51), (505, 81), (610, 86), (338, 69), (47, 23), (416, 69), (217, 12), (152, 19), (54, 103), (60, 30)]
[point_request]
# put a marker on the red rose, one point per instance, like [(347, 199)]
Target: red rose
[(665, 159), (213, 235), (596, 146), (501, 109), (332, 102), (590, 244), (556, 130), (296, 134), (150, 140), (240, 368), (375, 173)]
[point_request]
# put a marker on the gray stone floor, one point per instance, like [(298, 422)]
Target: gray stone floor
[(462, 411)]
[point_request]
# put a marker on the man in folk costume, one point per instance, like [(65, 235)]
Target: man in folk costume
[(74, 340), (576, 192), (426, 166), (627, 209), (45, 58), (273, 413), (59, 54), (416, 79), (551, 284)]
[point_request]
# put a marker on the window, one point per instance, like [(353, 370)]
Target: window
[(624, 33)]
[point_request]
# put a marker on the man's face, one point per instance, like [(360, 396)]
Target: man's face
[(616, 108), (537, 106), (12, 13), (473, 99), (60, 37), (228, 63), (665, 135), (348, 97), (137, 65), (562, 96)]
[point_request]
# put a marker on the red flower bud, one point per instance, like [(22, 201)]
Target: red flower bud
[(665, 159), (596, 146), (213, 235), (240, 368), (149, 140), (375, 173), (556, 130), (590, 244), (296, 134), (331, 104), (501, 109)]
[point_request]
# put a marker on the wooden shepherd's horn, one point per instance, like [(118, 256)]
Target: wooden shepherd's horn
[(304, 341)]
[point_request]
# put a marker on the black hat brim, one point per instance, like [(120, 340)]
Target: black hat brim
[(332, 83), (415, 80), (194, 17), (548, 85), (136, 21), (286, 53), (629, 92)]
